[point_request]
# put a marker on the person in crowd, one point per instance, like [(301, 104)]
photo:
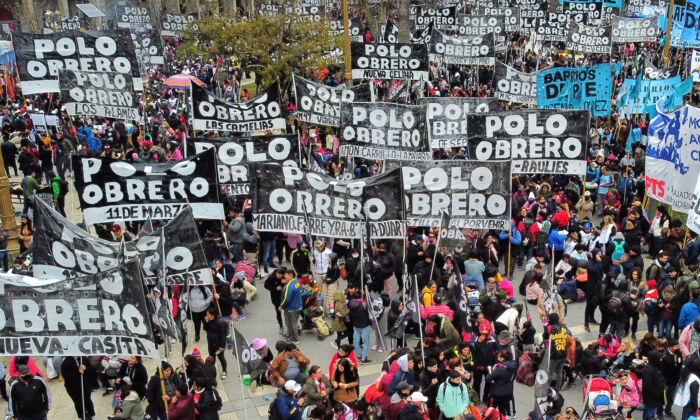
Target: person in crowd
[(136, 372), (200, 297), (346, 382), (217, 329), (274, 284), (317, 387), (291, 304), (360, 320), (30, 397), (75, 370), (288, 365), (130, 407)]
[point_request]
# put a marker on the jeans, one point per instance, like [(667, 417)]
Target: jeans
[(687, 412), (617, 327), (665, 327), (651, 411), (62, 165), (652, 322), (268, 254), (5, 259), (363, 333), (291, 318), (556, 370), (670, 394)]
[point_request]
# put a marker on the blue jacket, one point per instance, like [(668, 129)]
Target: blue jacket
[(567, 289), (516, 238), (288, 408), (556, 240), (291, 296), (689, 312), (691, 252)]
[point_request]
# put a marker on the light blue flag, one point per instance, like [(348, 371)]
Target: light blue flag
[(634, 138), (682, 89), (636, 87)]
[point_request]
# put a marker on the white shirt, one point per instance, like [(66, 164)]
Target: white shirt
[(321, 262)]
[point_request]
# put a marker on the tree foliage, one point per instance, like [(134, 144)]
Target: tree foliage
[(268, 46)]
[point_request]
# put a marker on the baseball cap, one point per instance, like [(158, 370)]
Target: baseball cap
[(417, 396), (292, 386)]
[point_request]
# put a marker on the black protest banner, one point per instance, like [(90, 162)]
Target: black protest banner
[(284, 197), (446, 118), (531, 11), (511, 16), (337, 28), (250, 362), (475, 194), (589, 39), (63, 23), (320, 104), (651, 72), (62, 250), (384, 131), (443, 18), (514, 86), (585, 13), (147, 45), (389, 61), (39, 57), (104, 94), (463, 50), (234, 154), (481, 25), (634, 29), (113, 190), (553, 28), (541, 141), (185, 262), (262, 113), (107, 315), (450, 234), (133, 16), (175, 25), (298, 13)]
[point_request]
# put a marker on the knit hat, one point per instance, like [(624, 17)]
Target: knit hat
[(258, 343), (651, 284), (196, 353)]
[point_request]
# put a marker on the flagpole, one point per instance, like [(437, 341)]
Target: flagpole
[(82, 387), (240, 373), (420, 323), (437, 244)]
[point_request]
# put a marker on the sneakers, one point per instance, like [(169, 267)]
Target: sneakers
[(224, 375), (282, 331), (380, 350), (365, 361), (334, 345), (108, 391), (253, 386), (240, 317), (374, 347)]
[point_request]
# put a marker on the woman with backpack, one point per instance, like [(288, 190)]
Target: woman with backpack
[(637, 292)]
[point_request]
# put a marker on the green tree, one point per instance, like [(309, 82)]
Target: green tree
[(268, 46)]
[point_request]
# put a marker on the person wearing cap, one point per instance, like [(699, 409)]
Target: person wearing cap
[(453, 396), (30, 398), (288, 406), (74, 370), (585, 207), (259, 376), (301, 259), (416, 406)]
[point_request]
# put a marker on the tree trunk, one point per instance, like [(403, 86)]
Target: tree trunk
[(404, 27)]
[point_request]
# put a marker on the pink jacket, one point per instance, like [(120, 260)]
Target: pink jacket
[(384, 400), (507, 287), (684, 340), (629, 395), (436, 309), (33, 368)]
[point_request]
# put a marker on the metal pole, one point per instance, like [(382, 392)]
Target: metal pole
[(420, 324), (82, 386), (240, 374), (669, 30), (346, 26)]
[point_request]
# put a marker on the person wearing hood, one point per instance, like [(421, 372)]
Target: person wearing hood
[(430, 379), (273, 283), (131, 406), (483, 354), (424, 267), (500, 382), (404, 374), (301, 260), (453, 396), (653, 385), (236, 232), (250, 243), (415, 252), (445, 331), (595, 283), (437, 308), (585, 206), (340, 314)]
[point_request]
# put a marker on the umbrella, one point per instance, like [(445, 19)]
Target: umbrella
[(182, 81)]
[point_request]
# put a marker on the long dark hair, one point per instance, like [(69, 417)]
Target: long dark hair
[(692, 367), (349, 371)]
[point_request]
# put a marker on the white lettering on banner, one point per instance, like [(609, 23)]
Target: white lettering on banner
[(515, 86), (77, 346), (115, 213), (376, 153), (634, 29), (327, 227)]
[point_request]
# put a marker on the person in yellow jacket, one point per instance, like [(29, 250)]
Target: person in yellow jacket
[(428, 294)]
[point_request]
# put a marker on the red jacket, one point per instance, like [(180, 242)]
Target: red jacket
[(562, 218), (351, 356), (182, 409)]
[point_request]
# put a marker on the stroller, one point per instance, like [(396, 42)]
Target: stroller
[(599, 403), (312, 315)]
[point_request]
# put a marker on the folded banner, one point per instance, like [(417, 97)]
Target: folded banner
[(320, 104), (175, 25), (250, 362), (389, 61), (542, 141), (114, 190), (147, 44), (634, 29), (384, 131), (262, 113), (39, 57), (514, 86), (475, 194), (589, 39), (103, 94), (62, 250), (290, 199), (133, 16), (672, 165), (107, 316), (587, 87), (462, 50), (234, 154), (447, 118)]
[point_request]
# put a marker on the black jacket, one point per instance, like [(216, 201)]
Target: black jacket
[(70, 370), (138, 376), (500, 379), (271, 283), (359, 313), (429, 389), (653, 381), (216, 333), (671, 363), (30, 399), (154, 394), (208, 406)]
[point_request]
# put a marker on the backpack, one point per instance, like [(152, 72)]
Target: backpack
[(649, 274), (62, 187), (527, 235), (343, 273), (649, 307), (619, 250), (272, 412), (542, 234), (614, 305)]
